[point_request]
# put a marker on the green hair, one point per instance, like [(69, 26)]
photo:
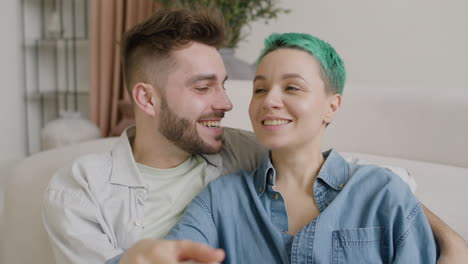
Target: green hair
[(331, 62)]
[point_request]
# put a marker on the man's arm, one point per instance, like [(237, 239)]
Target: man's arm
[(453, 249)]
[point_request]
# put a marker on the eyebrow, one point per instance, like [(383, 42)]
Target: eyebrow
[(259, 78), (292, 75), (284, 77), (203, 77)]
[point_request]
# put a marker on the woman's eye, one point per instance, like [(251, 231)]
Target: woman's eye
[(259, 90), (292, 88)]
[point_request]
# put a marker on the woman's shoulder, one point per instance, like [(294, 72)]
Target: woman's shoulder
[(375, 174), (378, 182)]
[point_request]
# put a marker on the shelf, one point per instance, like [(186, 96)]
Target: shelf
[(56, 59), (62, 39), (49, 94)]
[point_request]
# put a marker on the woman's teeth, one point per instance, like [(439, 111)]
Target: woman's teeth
[(210, 123), (275, 122)]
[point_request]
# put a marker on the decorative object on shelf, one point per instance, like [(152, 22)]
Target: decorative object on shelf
[(237, 15), (54, 29), (70, 128)]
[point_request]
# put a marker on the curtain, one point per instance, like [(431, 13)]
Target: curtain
[(109, 101)]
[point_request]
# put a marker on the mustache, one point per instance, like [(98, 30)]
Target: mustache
[(218, 114)]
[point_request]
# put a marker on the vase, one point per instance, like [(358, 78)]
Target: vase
[(236, 68), (69, 128)]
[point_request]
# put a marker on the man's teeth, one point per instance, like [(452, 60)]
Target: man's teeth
[(275, 122), (210, 123)]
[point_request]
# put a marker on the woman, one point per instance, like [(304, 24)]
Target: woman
[(301, 205)]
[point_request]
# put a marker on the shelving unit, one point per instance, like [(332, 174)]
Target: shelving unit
[(55, 62)]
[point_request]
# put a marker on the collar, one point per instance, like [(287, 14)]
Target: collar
[(334, 172), (124, 169), (265, 171)]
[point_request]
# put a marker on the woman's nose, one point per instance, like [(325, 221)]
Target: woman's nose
[(273, 100)]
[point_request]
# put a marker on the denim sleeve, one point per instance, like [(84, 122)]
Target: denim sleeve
[(417, 244), (197, 223)]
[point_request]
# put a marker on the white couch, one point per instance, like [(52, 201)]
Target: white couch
[(393, 128)]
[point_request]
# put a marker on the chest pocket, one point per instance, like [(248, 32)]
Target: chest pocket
[(359, 245)]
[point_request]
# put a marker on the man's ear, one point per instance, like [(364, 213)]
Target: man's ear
[(334, 104), (145, 97)]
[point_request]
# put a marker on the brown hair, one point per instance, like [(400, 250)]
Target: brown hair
[(147, 46)]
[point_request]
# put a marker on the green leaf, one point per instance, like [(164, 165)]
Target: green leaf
[(237, 13)]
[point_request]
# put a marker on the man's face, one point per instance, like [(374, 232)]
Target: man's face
[(193, 101)]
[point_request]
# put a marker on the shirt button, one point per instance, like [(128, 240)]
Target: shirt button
[(341, 186), (276, 196), (260, 189), (141, 196), (140, 199), (270, 177)]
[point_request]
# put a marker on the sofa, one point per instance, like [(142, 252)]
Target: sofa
[(424, 135)]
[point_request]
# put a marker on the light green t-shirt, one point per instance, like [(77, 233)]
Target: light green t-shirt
[(169, 192)]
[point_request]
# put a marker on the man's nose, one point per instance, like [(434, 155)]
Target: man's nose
[(222, 102)]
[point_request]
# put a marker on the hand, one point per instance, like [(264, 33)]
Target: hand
[(151, 251)]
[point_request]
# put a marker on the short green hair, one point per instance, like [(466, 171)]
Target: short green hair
[(333, 66)]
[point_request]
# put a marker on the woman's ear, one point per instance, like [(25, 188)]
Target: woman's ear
[(334, 104), (145, 98)]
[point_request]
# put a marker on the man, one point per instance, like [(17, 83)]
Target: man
[(105, 203)]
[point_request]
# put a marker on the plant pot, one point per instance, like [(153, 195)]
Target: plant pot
[(237, 69)]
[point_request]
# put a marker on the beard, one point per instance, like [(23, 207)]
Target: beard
[(183, 133)]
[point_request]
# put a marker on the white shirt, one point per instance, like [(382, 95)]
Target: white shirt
[(94, 209)]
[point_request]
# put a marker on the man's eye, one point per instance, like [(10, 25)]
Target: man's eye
[(201, 89)]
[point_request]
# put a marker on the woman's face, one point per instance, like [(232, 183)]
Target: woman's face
[(290, 107)]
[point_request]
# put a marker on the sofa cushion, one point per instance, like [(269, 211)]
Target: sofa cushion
[(25, 240)]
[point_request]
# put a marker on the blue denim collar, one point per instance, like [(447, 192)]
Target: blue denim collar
[(334, 172)]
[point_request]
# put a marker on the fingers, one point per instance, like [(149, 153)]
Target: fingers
[(188, 250), (150, 251)]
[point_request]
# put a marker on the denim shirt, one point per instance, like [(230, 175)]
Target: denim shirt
[(367, 215)]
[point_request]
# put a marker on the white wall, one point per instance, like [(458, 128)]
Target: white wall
[(417, 43), (11, 102), (413, 50)]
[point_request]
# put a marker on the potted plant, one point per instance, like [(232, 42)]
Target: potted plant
[(237, 15)]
